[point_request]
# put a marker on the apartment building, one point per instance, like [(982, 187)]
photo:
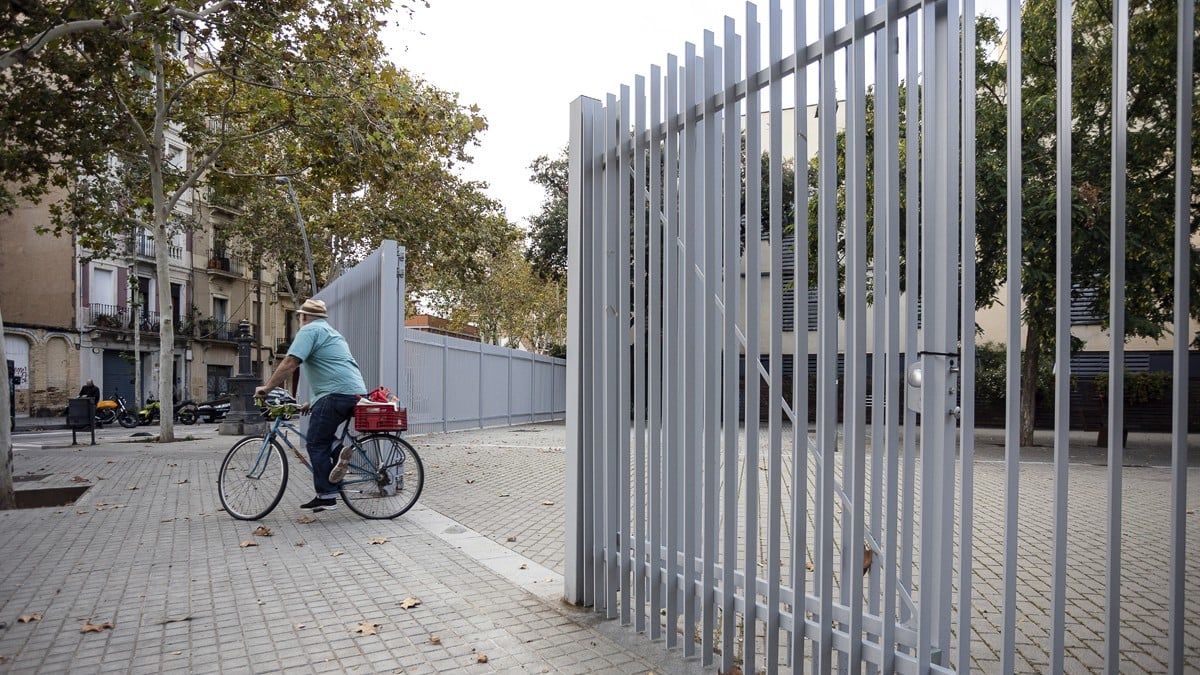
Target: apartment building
[(69, 319)]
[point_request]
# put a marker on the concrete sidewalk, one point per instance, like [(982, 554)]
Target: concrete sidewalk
[(147, 549)]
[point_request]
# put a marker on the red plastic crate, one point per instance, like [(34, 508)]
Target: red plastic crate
[(380, 417)]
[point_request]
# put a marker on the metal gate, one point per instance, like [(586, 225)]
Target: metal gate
[(677, 517)]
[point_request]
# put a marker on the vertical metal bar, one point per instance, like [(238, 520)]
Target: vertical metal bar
[(889, 111), (800, 372), (1012, 408), (712, 347), (1116, 357), (912, 260), (732, 352), (655, 341), (599, 156), (879, 265), (775, 409), (752, 235), (1062, 344), (574, 577), (672, 420), (614, 417), (689, 200), (854, 459), (1179, 382), (624, 409), (967, 341), (639, 348), (827, 312)]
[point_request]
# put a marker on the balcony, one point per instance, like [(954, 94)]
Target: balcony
[(145, 249), (223, 331), (282, 345), (221, 264), (121, 319)]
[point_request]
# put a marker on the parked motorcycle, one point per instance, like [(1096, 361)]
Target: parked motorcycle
[(114, 410), (186, 412), (216, 409)]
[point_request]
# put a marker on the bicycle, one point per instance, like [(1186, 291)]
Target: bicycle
[(384, 480)]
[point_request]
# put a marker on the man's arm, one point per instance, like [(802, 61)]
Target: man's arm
[(282, 372)]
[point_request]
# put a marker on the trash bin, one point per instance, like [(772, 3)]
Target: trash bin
[(81, 415)]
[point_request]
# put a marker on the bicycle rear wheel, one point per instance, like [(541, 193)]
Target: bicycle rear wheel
[(385, 477), (253, 478)]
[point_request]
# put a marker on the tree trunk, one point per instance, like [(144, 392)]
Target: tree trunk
[(136, 321), (7, 498), (1029, 369), (162, 261)]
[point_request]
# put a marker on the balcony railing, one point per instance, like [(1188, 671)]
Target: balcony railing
[(221, 263), (144, 247), (225, 331), (282, 345), (116, 318)]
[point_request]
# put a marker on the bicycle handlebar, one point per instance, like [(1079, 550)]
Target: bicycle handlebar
[(275, 411)]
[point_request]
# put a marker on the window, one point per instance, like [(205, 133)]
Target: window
[(220, 309), (1083, 301), (104, 287)]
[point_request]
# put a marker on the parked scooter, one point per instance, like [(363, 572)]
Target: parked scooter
[(216, 409), (113, 410)]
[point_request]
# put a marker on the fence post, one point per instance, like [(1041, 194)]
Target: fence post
[(574, 574), (480, 388), (509, 385), (445, 383)]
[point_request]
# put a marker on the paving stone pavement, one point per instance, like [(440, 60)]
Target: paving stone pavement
[(513, 471), (147, 549)]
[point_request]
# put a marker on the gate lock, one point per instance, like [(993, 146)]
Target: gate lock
[(915, 379)]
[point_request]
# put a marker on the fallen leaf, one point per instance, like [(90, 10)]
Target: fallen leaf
[(221, 509), (79, 479), (435, 640), (868, 557), (809, 566), (248, 543), (512, 538), (181, 482), (306, 519), (548, 579), (378, 540), (368, 628), (262, 531), (180, 619), (300, 543), (110, 461), (80, 513), (89, 627), (301, 625), (172, 465), (481, 658), (409, 603), (523, 567), (470, 480), (503, 494), (1191, 511), (132, 487), (29, 618), (176, 653), (337, 553), (547, 503), (166, 520)]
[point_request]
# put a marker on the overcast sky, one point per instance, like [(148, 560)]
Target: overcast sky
[(524, 61)]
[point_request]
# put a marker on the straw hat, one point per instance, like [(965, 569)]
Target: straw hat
[(313, 308)]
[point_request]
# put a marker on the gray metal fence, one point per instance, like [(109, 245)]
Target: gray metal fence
[(447, 383), (677, 518), (460, 384)]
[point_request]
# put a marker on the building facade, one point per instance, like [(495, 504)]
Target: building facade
[(69, 318)]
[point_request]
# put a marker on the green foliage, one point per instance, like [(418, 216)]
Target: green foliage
[(1140, 387), (991, 374), (548, 228)]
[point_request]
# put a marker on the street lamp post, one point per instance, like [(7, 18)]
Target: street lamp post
[(312, 278)]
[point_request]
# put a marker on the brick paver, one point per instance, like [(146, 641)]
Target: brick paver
[(163, 564), (526, 464)]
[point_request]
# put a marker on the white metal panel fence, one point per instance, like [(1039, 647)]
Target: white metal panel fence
[(447, 383), (676, 517), (457, 384)]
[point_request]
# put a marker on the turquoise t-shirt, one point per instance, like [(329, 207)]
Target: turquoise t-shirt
[(327, 361)]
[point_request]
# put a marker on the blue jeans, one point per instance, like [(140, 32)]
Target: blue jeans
[(328, 414)]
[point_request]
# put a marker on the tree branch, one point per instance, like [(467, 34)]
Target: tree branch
[(114, 23), (194, 176), (183, 85)]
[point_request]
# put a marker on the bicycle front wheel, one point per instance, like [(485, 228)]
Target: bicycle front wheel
[(385, 477), (253, 478)]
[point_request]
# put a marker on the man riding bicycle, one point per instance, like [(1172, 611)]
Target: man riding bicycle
[(336, 383)]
